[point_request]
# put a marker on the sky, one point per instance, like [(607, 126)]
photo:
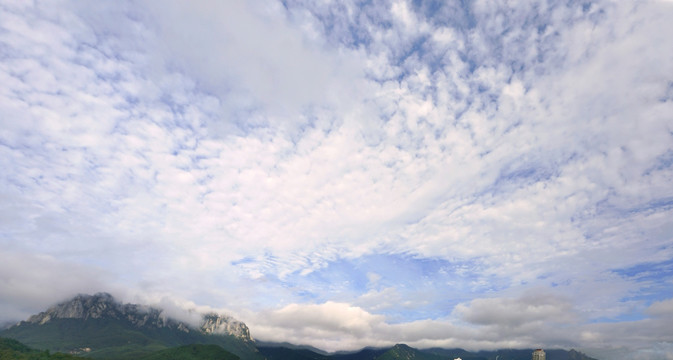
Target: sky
[(475, 174)]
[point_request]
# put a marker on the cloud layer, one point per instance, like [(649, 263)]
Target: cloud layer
[(478, 175)]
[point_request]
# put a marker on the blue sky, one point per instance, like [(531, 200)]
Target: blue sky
[(476, 174)]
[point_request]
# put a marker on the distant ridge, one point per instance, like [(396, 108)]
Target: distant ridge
[(192, 352), (508, 354), (405, 352), (368, 353), (271, 344)]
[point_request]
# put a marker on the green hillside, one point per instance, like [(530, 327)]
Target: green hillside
[(192, 352), (117, 339), (13, 350), (284, 353), (364, 354), (459, 353)]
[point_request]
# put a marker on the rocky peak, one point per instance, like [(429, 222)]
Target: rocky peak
[(214, 323), (80, 307)]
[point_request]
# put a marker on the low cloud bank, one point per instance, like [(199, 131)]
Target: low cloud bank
[(531, 320)]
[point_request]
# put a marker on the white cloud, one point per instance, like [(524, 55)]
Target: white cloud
[(376, 300), (338, 326), (515, 313), (252, 49), (242, 144), (26, 278), (329, 326), (662, 308)]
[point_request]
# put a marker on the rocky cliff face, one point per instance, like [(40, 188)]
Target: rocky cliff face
[(222, 324), (103, 305)]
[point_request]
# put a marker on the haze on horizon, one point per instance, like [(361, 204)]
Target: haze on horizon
[(476, 174)]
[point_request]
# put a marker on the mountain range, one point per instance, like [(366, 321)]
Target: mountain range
[(97, 326)]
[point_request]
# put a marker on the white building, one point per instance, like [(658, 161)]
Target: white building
[(539, 355)]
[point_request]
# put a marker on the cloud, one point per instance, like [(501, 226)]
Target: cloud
[(329, 326), (515, 313), (338, 326), (32, 282), (491, 323), (661, 309), (438, 162), (656, 351), (252, 58)]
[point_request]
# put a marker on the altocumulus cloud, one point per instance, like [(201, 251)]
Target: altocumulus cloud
[(478, 175)]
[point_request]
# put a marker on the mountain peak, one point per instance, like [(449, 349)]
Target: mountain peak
[(103, 326), (405, 352), (103, 305), (400, 352), (80, 307), (214, 323)]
